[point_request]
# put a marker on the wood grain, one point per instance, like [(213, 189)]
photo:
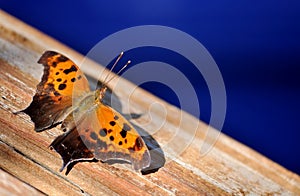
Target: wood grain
[(229, 168), (13, 186)]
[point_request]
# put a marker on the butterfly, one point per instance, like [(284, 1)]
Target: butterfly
[(92, 129)]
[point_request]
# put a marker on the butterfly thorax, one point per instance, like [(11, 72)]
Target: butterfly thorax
[(100, 93), (88, 102)]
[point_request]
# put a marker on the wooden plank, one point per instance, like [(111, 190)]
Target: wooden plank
[(13, 186), (229, 168)]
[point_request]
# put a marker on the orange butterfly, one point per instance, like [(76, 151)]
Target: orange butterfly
[(92, 129)]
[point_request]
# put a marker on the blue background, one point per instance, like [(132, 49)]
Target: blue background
[(256, 45)]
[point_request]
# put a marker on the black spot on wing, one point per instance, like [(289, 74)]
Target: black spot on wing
[(138, 145), (62, 58), (56, 93), (93, 135), (50, 87), (123, 133), (62, 86), (54, 64), (73, 68), (126, 127), (112, 123), (103, 132)]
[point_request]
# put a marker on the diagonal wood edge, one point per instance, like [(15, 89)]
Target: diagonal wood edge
[(229, 168)]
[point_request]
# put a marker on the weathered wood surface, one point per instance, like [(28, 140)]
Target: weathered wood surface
[(29, 166)]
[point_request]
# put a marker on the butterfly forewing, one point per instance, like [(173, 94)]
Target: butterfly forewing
[(53, 98)]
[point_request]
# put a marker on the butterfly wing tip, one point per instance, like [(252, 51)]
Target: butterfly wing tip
[(140, 168), (18, 112), (62, 168), (65, 165), (24, 111), (45, 55), (142, 164)]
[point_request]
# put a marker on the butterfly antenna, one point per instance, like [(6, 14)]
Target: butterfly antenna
[(100, 94), (128, 62), (114, 65)]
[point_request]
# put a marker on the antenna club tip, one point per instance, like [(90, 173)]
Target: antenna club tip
[(129, 61)]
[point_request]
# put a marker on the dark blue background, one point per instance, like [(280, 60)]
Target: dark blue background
[(256, 45)]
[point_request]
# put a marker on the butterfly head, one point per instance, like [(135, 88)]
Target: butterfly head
[(100, 93)]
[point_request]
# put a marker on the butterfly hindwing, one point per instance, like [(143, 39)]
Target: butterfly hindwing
[(71, 148)]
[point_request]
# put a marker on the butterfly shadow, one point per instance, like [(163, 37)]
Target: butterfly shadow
[(156, 153)]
